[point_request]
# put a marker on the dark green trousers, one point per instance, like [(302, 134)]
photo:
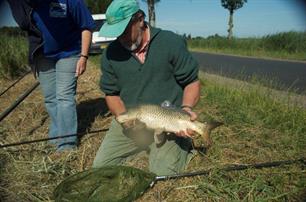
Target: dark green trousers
[(170, 158)]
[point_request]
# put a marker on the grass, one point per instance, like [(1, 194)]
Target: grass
[(96, 59), (14, 53), (286, 45), (257, 128)]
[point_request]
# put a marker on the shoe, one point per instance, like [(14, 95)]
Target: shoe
[(66, 147)]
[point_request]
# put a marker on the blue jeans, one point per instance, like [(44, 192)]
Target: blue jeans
[(58, 83)]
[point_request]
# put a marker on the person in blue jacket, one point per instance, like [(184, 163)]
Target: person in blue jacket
[(59, 33)]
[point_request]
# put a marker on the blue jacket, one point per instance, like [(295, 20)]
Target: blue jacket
[(61, 23), (24, 12)]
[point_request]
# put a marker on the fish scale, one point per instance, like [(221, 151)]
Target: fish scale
[(169, 120)]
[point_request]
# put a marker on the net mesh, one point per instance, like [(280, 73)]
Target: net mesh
[(111, 183)]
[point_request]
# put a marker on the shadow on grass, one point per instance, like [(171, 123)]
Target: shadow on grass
[(88, 111)]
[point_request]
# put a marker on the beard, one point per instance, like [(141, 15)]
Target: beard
[(134, 45)]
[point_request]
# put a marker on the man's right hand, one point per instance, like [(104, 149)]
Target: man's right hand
[(115, 105)]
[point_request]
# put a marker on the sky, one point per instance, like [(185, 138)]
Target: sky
[(207, 17)]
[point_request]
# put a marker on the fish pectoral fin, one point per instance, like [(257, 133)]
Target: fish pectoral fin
[(139, 125), (128, 124), (159, 137), (134, 124)]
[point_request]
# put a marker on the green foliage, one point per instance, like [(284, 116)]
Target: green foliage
[(287, 45), (97, 6), (13, 31), (252, 108), (251, 186), (292, 42), (257, 107), (257, 127), (14, 52), (232, 5)]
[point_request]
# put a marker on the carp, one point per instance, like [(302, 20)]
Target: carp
[(165, 119)]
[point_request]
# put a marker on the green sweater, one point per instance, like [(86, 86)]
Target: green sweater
[(167, 69)]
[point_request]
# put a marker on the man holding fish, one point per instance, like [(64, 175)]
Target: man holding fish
[(146, 65)]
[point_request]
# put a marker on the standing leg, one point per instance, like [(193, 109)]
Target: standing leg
[(47, 79), (66, 84)]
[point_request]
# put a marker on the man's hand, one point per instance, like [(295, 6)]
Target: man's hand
[(115, 105), (193, 117), (81, 66), (86, 40)]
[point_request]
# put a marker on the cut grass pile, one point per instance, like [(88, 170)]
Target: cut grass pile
[(257, 129)]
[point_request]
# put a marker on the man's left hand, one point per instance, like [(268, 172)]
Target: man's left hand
[(192, 114), (188, 132)]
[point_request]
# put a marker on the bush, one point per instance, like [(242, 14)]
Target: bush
[(291, 45), (13, 31), (13, 55), (291, 42)]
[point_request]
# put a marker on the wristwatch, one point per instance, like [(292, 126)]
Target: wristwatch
[(186, 106), (84, 56)]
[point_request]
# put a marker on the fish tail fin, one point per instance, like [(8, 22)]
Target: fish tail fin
[(213, 124)]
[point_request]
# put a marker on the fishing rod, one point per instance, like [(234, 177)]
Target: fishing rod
[(50, 138), (18, 101), (13, 84), (229, 168)]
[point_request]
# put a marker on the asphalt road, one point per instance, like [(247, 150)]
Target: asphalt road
[(286, 74)]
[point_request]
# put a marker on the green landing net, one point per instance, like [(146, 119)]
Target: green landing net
[(122, 183), (110, 183)]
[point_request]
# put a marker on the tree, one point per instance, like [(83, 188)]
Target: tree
[(97, 6), (231, 6), (151, 11)]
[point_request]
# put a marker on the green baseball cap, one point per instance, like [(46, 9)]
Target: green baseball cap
[(118, 16)]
